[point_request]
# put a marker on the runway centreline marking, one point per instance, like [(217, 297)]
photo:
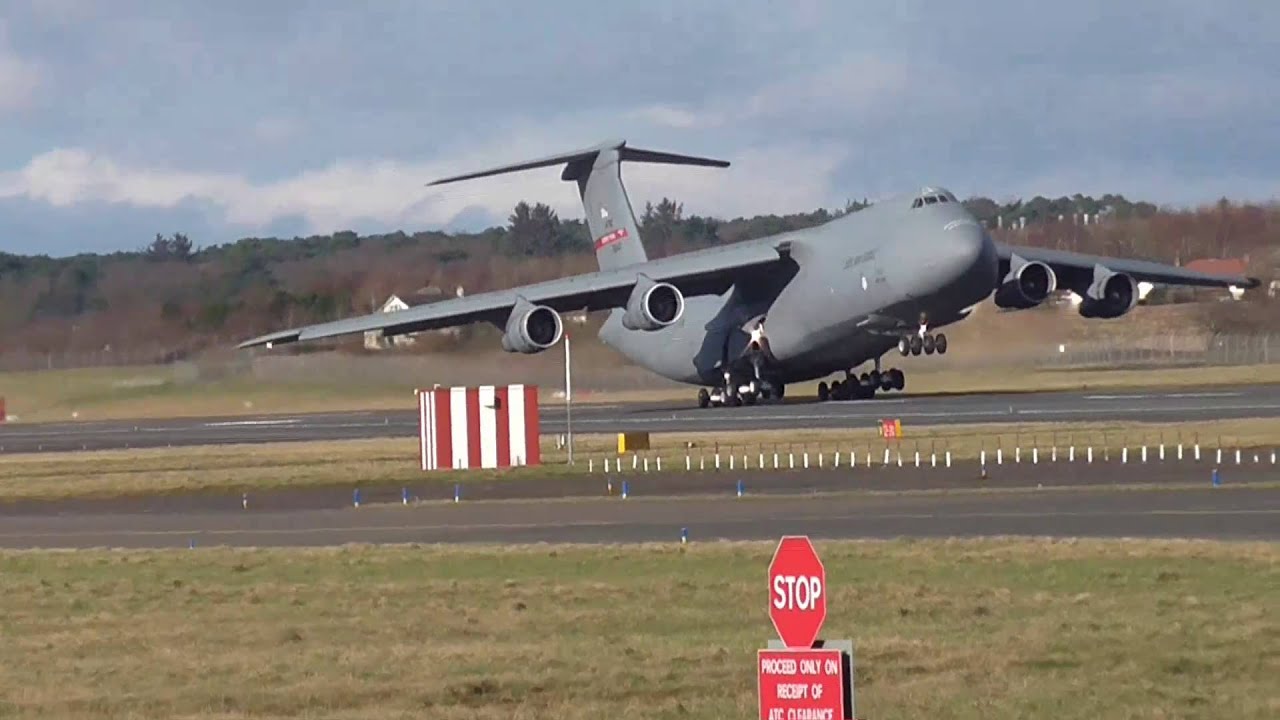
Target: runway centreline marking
[(1164, 395), (241, 423), (1146, 410), (614, 523)]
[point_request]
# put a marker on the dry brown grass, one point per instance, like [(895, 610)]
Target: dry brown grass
[(957, 629), (151, 392), (348, 463)]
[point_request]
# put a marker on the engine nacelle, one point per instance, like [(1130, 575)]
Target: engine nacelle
[(652, 305), (1110, 295), (532, 328), (1026, 286)]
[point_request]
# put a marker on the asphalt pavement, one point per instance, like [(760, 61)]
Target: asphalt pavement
[(1170, 499), (1096, 406), (1240, 513)]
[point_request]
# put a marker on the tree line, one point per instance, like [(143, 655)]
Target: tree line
[(172, 294)]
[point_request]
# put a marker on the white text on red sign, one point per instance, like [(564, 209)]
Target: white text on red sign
[(796, 592)]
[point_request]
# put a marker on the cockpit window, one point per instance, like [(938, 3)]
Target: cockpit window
[(933, 198)]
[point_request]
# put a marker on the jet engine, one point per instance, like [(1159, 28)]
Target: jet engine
[(532, 328), (652, 305), (1110, 295), (1026, 286)]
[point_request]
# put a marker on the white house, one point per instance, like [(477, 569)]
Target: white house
[(374, 340)]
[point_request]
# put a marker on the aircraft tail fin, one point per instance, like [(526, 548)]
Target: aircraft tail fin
[(598, 173)]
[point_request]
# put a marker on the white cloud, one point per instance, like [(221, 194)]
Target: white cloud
[(391, 194)]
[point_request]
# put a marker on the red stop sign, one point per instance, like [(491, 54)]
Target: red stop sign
[(797, 592)]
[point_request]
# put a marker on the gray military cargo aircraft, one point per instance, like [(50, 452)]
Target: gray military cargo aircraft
[(746, 319)]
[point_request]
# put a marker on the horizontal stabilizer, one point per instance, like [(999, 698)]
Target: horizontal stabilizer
[(665, 158), (588, 155)]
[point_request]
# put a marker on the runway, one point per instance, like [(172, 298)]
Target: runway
[(1107, 500), (1097, 406)]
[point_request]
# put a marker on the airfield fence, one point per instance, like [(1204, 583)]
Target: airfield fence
[(935, 447)]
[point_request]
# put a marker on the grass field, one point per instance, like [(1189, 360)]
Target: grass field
[(394, 462), (942, 629), (180, 391)]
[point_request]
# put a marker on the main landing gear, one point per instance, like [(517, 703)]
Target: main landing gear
[(736, 393), (862, 387), (923, 341)]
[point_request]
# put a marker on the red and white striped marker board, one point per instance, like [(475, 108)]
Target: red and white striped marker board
[(488, 426)]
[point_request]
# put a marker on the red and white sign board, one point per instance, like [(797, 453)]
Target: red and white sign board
[(797, 592), (487, 426), (801, 685)]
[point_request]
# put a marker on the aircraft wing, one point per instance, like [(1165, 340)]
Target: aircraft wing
[(1065, 264), (703, 272)]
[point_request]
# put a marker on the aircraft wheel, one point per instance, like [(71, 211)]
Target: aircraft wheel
[(904, 345), (873, 379), (940, 343), (750, 398), (704, 398), (824, 393), (897, 379), (779, 391), (735, 400), (916, 345), (886, 381), (927, 344)]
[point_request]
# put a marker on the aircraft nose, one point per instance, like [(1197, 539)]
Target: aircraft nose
[(965, 255)]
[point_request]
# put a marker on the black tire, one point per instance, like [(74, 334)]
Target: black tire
[(927, 344), (704, 398), (904, 345), (898, 378), (916, 345), (824, 393), (940, 344)]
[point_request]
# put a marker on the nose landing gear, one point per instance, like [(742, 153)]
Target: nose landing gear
[(736, 392)]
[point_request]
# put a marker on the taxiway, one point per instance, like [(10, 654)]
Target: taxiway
[(1104, 500)]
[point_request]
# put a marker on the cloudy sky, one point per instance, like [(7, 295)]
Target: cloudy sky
[(226, 119)]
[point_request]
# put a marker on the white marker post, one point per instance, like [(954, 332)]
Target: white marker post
[(568, 398)]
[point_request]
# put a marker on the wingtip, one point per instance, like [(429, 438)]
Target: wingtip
[(268, 341)]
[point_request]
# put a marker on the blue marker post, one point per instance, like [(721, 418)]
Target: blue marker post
[(355, 497), (684, 535), (191, 543), (625, 490), (1217, 482), (739, 488), (457, 492), (404, 496)]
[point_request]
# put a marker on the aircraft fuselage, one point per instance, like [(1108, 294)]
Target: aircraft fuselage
[(858, 284)]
